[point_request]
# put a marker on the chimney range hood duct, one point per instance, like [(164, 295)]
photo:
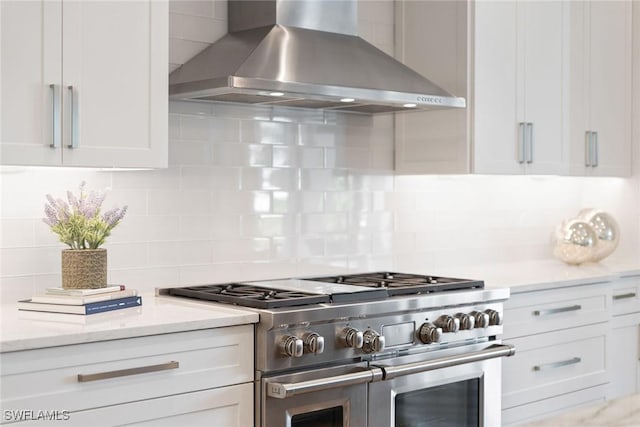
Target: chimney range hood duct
[(303, 53)]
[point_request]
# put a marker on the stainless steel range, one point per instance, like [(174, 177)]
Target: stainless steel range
[(374, 349)]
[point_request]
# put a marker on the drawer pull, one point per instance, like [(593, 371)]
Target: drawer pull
[(83, 378), (557, 310), (625, 296), (559, 364)]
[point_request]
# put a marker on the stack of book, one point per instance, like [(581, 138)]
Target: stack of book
[(82, 301)]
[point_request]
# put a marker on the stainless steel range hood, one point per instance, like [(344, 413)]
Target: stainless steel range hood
[(303, 53)]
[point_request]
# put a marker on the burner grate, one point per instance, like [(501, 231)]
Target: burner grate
[(402, 283), (249, 296)]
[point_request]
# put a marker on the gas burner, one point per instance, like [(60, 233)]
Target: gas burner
[(249, 296)]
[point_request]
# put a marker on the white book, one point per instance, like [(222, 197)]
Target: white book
[(84, 292), (82, 300)]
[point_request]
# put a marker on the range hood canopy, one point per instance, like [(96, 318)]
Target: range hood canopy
[(303, 53)]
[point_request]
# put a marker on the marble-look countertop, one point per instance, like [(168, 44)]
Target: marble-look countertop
[(24, 330), (540, 275), (620, 412)]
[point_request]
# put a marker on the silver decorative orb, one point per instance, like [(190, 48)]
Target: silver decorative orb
[(574, 242), (606, 229)]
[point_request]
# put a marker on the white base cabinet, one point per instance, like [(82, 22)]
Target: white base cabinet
[(561, 338), (624, 351), (189, 378)]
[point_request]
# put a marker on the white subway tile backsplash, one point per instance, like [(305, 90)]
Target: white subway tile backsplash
[(323, 180), (269, 179), (34, 260), (312, 223), (267, 225), (242, 250), (261, 192), (17, 233), (195, 227), (268, 132), (256, 155), (128, 255)]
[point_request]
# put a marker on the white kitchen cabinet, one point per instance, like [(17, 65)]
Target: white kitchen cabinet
[(84, 83), (507, 59), (562, 340), (624, 351), (601, 34), (541, 79), (187, 378)]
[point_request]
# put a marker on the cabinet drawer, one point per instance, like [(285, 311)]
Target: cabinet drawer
[(230, 406), (556, 363), (126, 370), (625, 298), (537, 312), (522, 415)]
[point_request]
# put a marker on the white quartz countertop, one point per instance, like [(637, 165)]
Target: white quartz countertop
[(539, 275), (613, 413), (23, 330)]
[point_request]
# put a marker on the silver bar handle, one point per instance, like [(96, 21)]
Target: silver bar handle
[(625, 296), (559, 364), (521, 142), (557, 310), (531, 141), (55, 119), (283, 390), (587, 148), (83, 378), (73, 92), (595, 149), (494, 351)]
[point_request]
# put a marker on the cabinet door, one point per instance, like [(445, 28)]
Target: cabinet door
[(610, 85), (495, 124), (30, 60), (115, 60), (541, 73), (624, 356)]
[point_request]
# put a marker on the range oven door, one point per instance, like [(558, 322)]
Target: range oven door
[(456, 389), (329, 397)]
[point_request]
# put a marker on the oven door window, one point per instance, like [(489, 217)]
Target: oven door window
[(449, 405), (330, 417)]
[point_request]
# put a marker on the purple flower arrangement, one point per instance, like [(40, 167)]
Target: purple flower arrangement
[(78, 220)]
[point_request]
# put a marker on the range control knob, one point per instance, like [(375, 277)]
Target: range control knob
[(495, 317), (482, 319), (291, 346), (373, 341), (352, 338), (313, 343), (429, 333), (448, 323), (466, 321)]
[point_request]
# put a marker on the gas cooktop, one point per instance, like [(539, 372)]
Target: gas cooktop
[(330, 289)]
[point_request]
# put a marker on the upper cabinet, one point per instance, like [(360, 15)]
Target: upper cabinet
[(84, 83), (600, 88), (514, 62), (517, 89)]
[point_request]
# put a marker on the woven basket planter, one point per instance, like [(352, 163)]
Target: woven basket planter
[(84, 268)]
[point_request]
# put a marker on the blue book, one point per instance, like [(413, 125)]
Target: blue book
[(90, 308)]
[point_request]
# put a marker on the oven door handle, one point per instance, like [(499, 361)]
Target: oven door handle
[(498, 350), (285, 390)]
